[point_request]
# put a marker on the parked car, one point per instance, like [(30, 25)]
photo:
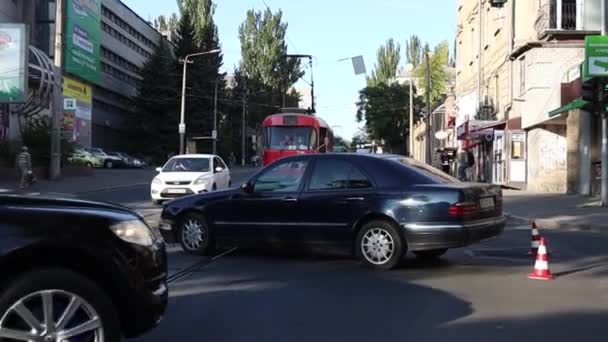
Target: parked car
[(109, 161), (376, 207), (74, 270), (189, 174), (82, 157), (129, 160)]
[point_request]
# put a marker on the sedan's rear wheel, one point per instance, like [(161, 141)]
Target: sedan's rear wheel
[(57, 305), (431, 254), (379, 245), (194, 235)]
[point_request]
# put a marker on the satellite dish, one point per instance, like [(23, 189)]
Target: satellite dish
[(441, 135)]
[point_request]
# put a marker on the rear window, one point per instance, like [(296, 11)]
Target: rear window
[(428, 173)]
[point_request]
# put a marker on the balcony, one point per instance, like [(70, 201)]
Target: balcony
[(568, 19)]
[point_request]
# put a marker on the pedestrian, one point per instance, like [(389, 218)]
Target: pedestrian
[(24, 165), (471, 165), (463, 164)]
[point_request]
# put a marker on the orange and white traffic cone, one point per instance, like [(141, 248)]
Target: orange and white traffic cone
[(534, 239), (541, 266)]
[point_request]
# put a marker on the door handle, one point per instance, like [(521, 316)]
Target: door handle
[(352, 199), (290, 199)]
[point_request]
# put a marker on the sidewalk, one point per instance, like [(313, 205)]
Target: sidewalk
[(104, 180), (556, 211)]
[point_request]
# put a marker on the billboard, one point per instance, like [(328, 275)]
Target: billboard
[(82, 39), (13, 63), (77, 109)]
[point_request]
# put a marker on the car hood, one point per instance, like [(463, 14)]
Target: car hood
[(182, 176), (179, 205), (61, 202)]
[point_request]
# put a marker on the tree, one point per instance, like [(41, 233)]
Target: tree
[(413, 51), (439, 77), (263, 53), (155, 116), (385, 109), (387, 64)]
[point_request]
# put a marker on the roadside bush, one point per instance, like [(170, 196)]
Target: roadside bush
[(36, 135)]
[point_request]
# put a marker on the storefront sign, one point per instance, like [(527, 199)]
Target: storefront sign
[(13, 63), (596, 55), (82, 39)]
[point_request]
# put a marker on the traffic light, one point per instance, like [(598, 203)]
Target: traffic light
[(589, 94), (604, 98)]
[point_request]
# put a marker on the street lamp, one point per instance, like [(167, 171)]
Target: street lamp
[(182, 124)]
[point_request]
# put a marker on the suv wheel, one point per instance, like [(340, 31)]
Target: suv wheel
[(194, 235), (56, 305), (109, 164), (379, 245)]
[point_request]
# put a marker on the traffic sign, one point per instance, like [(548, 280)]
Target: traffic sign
[(214, 134), (596, 55), (182, 128)]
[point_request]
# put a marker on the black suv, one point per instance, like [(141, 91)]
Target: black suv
[(77, 270)]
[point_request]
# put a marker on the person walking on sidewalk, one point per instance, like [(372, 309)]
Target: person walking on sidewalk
[(24, 165)]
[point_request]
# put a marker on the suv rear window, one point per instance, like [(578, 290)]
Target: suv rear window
[(432, 174)]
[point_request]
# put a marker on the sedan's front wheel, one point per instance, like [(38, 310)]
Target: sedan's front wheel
[(379, 245), (194, 235)]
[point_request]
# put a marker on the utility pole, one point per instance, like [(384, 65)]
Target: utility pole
[(604, 157), (214, 133), (411, 118), (57, 108), (244, 130), (182, 116), (429, 149)]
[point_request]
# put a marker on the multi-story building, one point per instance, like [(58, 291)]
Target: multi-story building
[(105, 79), (516, 66)]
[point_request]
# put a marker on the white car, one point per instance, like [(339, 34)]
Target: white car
[(189, 174)]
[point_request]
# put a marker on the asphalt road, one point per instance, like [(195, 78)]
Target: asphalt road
[(472, 294)]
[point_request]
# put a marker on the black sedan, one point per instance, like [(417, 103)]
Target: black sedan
[(77, 271), (376, 207)]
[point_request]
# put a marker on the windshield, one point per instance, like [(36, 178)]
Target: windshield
[(188, 165), (290, 138), (96, 152)]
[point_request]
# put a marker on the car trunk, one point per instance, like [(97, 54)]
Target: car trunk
[(475, 200)]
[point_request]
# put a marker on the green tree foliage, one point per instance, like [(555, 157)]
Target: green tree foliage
[(263, 53), (156, 116), (387, 64), (385, 109), (438, 73), (166, 23), (413, 51)]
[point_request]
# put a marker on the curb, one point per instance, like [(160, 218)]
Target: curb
[(555, 224)]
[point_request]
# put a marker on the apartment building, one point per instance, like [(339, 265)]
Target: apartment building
[(518, 67), (106, 44)]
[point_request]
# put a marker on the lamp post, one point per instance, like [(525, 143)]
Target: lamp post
[(182, 124)]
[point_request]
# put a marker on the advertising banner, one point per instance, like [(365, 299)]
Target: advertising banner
[(82, 38), (13, 63), (79, 97)]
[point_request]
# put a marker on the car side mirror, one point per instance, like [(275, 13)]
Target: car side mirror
[(159, 169), (247, 187), (219, 169)]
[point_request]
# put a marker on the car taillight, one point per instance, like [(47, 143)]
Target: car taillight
[(463, 209)]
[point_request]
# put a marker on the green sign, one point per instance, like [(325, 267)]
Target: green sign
[(13, 63), (596, 56), (82, 39)]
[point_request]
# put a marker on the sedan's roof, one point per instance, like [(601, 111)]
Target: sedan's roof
[(200, 156)]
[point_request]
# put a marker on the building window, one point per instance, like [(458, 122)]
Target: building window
[(522, 75), (487, 34), (496, 94)]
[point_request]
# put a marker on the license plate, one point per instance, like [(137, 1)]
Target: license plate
[(487, 203), (176, 191)]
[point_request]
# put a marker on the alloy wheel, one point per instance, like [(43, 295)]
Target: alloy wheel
[(377, 246), (193, 234), (51, 316)]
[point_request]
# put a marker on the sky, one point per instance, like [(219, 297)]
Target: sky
[(331, 30)]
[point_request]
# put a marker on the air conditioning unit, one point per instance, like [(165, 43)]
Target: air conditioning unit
[(497, 3)]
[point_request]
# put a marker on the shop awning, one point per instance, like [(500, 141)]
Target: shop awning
[(576, 104)]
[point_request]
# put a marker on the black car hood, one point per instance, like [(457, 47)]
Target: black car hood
[(58, 201)]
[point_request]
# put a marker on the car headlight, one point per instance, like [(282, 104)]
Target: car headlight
[(135, 232), (157, 180), (202, 180)]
